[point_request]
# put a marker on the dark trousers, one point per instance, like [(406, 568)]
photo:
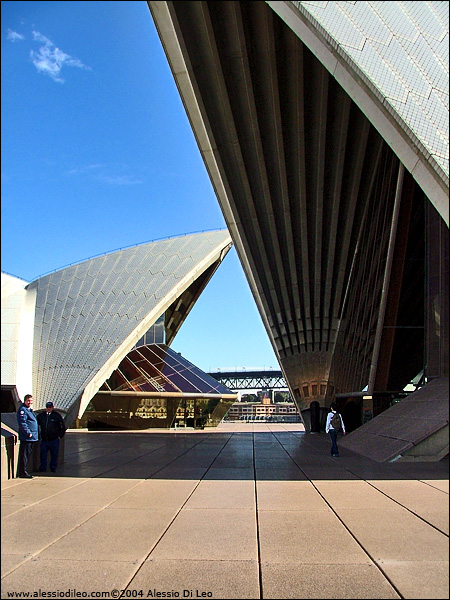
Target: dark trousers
[(53, 448), (334, 449), (25, 450)]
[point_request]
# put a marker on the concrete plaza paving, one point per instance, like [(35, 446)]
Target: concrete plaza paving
[(242, 511)]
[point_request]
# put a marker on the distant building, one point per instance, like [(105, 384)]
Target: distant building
[(251, 411)]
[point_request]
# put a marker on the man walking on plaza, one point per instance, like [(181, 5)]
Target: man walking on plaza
[(52, 431), (28, 435), (334, 424)]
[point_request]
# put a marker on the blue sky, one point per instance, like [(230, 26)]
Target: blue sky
[(98, 154)]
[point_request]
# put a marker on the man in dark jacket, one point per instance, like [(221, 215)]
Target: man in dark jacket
[(52, 429), (28, 435)]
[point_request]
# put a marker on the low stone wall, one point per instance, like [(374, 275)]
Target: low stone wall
[(9, 454)]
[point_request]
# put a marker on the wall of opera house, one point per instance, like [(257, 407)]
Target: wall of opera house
[(156, 387), (124, 412)]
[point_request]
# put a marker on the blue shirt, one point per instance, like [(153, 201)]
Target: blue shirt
[(27, 424)]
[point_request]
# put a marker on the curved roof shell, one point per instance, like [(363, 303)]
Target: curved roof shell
[(393, 60), (402, 51), (90, 315)]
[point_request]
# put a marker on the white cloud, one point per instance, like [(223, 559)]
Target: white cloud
[(50, 59), (92, 171), (13, 36), (119, 180), (85, 169)]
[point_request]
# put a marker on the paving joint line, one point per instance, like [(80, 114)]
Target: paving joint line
[(78, 525), (142, 456), (374, 562), (258, 539), (158, 541), (408, 509)]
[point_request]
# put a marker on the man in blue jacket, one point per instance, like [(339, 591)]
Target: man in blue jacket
[(28, 435), (52, 430)]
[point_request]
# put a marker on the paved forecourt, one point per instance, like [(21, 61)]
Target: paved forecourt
[(241, 511)]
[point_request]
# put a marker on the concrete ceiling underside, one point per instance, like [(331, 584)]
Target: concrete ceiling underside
[(306, 184)]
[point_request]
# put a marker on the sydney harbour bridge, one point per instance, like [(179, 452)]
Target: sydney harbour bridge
[(250, 379)]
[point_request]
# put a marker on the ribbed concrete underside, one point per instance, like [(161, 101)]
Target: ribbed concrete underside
[(310, 189)]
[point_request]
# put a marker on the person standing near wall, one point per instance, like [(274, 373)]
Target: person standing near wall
[(28, 435), (333, 425), (53, 429)]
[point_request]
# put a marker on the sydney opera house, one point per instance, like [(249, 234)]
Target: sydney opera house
[(324, 129), (94, 338)]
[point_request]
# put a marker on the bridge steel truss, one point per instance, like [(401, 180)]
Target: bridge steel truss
[(251, 380)]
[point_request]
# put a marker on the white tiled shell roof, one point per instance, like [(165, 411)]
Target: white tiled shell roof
[(402, 49), (85, 313)]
